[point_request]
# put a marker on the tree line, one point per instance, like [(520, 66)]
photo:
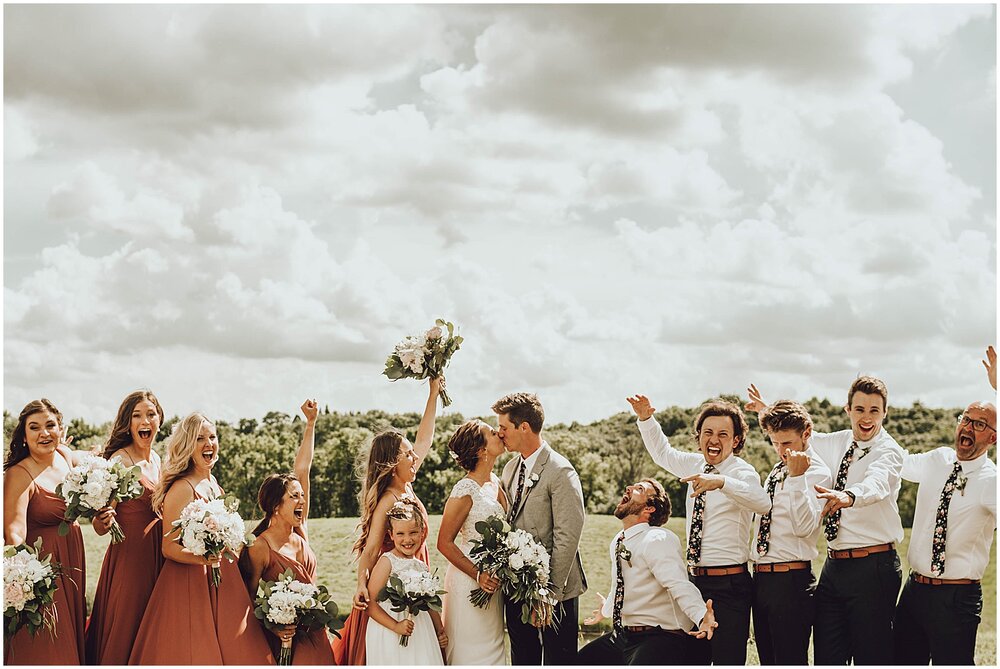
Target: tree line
[(608, 453)]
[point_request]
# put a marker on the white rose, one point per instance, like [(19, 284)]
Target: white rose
[(516, 561)]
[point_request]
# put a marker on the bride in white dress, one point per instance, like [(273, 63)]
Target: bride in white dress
[(476, 635)]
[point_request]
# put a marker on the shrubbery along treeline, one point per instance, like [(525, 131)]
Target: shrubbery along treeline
[(608, 454)]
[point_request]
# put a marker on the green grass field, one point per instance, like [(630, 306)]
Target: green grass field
[(332, 538)]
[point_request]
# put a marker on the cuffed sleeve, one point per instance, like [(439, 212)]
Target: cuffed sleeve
[(881, 478), (678, 463)]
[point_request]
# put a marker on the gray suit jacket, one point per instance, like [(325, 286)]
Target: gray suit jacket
[(552, 511)]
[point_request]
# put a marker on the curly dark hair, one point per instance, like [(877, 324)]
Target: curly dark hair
[(723, 408), (467, 443)]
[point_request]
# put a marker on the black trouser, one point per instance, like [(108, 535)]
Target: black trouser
[(855, 603), (783, 611), (653, 647), (731, 596), (937, 623), (559, 645)]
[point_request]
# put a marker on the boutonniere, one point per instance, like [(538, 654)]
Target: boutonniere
[(960, 483), (624, 554), (532, 480)]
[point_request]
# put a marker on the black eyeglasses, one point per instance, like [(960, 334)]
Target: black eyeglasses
[(977, 425)]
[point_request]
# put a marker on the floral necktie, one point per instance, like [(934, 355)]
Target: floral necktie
[(697, 522), (777, 475), (616, 614), (832, 522), (941, 522), (517, 496)]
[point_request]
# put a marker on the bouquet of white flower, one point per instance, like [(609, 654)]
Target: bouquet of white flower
[(424, 356), (212, 529), (290, 602), (29, 584), (93, 485), (413, 591), (520, 563)]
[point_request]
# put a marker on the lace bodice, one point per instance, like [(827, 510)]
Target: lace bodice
[(402, 564), (485, 503)]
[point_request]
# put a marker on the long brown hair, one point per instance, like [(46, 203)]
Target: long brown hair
[(121, 431), (377, 476), (18, 445), (269, 497)]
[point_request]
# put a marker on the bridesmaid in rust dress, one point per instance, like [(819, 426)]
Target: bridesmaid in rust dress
[(282, 544), (38, 461), (130, 568), (188, 620), (392, 467)]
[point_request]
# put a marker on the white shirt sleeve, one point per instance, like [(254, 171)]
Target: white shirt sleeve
[(678, 463), (914, 465), (881, 478), (665, 564), (743, 487), (804, 509), (609, 602)]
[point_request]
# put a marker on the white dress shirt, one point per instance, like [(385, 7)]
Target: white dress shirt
[(728, 510), (795, 515), (874, 479), (972, 517), (657, 589)]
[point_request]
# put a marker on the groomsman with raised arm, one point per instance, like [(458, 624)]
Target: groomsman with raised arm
[(784, 539), (725, 492), (856, 595), (653, 606), (939, 610)]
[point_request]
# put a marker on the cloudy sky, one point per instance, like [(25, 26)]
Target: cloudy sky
[(241, 206)]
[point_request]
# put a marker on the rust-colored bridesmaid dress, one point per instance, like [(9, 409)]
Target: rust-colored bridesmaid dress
[(45, 512), (350, 647), (189, 621), (313, 648), (126, 582)]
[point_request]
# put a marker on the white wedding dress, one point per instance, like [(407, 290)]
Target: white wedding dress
[(475, 636)]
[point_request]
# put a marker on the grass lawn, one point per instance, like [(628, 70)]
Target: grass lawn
[(332, 539)]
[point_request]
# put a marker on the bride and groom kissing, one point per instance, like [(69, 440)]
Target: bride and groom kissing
[(539, 491)]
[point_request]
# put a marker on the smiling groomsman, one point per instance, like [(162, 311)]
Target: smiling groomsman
[(784, 539), (856, 595), (725, 492), (939, 610)]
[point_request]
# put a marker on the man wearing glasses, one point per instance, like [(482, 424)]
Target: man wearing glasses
[(939, 609)]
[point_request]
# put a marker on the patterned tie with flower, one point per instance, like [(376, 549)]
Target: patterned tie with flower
[(697, 521), (517, 496), (777, 475), (616, 614), (941, 522), (832, 522)]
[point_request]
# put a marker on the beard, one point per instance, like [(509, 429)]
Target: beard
[(629, 508)]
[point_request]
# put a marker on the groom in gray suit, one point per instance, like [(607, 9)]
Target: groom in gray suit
[(546, 500)]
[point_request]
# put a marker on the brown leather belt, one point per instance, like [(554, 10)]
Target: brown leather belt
[(779, 567), (864, 551), (718, 571), (649, 628), (925, 580)]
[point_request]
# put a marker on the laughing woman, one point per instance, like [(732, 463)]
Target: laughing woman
[(188, 620), (130, 567), (282, 542), (38, 461), (392, 467)]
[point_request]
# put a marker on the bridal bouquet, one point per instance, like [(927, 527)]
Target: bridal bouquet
[(289, 602), (29, 583), (519, 562), (93, 485), (413, 591), (212, 529), (424, 356)]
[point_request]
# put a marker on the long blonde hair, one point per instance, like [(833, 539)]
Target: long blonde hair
[(377, 476), (181, 445)]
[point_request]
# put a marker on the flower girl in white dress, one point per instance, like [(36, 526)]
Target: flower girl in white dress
[(478, 632), (426, 631)]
